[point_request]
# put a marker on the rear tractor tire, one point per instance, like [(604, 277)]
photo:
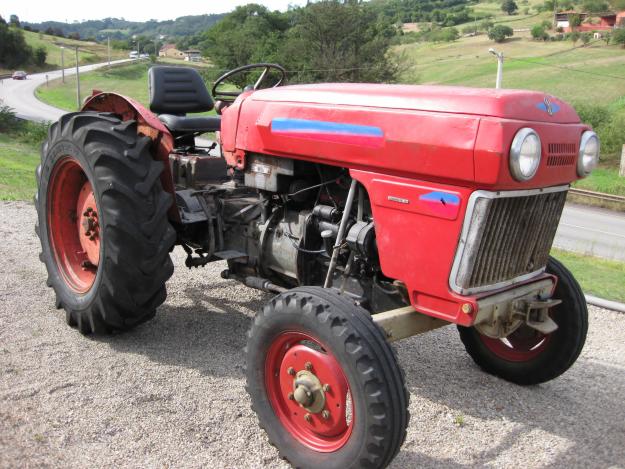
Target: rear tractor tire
[(102, 222), (528, 357), (325, 383)]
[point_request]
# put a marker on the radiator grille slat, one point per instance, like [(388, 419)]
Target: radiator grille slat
[(508, 237)]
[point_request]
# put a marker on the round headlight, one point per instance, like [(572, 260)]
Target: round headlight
[(588, 153), (525, 154)]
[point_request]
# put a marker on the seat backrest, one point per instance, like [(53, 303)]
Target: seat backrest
[(177, 90)]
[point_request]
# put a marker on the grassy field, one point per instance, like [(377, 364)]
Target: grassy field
[(17, 169), (88, 52), (598, 277), (129, 80), (603, 179)]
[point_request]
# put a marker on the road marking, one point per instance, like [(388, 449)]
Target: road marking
[(593, 230)]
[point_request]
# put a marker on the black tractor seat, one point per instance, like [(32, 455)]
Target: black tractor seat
[(186, 124), (176, 91)]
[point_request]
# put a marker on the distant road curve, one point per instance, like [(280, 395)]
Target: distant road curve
[(20, 94)]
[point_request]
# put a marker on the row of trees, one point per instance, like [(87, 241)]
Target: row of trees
[(324, 41), (14, 51)]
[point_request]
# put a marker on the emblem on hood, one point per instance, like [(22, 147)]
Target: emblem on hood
[(547, 106)]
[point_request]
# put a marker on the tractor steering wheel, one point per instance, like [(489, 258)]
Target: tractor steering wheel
[(229, 96)]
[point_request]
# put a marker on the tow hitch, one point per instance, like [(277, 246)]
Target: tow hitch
[(536, 314), (501, 314)]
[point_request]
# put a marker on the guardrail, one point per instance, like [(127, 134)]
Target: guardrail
[(598, 195), (6, 75)]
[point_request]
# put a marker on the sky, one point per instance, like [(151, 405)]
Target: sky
[(36, 11)]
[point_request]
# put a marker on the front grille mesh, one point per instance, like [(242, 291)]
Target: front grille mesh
[(562, 154), (508, 237)]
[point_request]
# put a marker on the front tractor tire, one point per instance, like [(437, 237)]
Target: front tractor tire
[(102, 222), (528, 357), (325, 383)]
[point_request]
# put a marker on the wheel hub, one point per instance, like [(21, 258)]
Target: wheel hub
[(89, 229), (308, 391)]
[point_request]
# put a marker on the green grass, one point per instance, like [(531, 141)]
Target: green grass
[(129, 80), (603, 179), (599, 277), (17, 168), (88, 52)]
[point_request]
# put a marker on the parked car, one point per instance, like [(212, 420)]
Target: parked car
[(19, 75), (133, 55)]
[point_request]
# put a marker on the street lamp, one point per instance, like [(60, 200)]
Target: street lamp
[(499, 56)]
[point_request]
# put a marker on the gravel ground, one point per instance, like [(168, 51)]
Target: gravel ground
[(171, 393)]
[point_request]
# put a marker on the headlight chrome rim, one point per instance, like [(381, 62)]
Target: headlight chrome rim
[(515, 154), (582, 169)]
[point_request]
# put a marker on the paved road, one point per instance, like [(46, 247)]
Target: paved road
[(594, 231), (20, 94), (582, 229)]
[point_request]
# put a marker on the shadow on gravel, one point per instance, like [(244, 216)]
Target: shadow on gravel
[(584, 406), (207, 332)]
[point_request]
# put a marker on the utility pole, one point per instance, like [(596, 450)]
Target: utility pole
[(555, 12), (499, 56), (622, 170), (108, 44), (77, 82), (62, 64)]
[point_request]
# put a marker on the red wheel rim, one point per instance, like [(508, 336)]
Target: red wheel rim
[(73, 225), (289, 357), (522, 345)]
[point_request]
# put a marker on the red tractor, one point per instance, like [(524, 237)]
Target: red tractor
[(372, 212)]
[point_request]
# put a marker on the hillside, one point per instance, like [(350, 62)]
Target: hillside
[(118, 28)]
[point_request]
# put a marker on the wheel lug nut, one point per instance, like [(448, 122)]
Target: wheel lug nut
[(326, 388), (291, 396), (308, 418), (291, 370), (325, 414), (308, 366)]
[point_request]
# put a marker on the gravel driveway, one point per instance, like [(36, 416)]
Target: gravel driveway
[(171, 393)]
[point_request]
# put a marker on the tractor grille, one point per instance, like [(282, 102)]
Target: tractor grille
[(509, 235), (562, 154)]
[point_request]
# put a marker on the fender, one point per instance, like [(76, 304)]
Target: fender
[(147, 124)]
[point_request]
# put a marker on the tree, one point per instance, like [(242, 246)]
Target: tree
[(538, 32), (574, 37), (14, 21), (509, 6), (595, 6), (575, 20), (500, 32), (333, 41), (585, 37), (40, 56), (618, 37)]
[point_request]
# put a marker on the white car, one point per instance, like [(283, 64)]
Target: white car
[(133, 54)]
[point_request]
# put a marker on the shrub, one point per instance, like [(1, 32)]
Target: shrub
[(500, 32), (509, 6), (618, 37), (8, 121), (538, 32)]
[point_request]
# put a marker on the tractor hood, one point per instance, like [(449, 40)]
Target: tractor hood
[(443, 132), (507, 104)]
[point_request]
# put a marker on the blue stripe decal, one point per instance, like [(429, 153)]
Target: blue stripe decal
[(281, 124), (441, 197)]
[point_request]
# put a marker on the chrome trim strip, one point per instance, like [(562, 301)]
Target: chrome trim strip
[(466, 226)]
